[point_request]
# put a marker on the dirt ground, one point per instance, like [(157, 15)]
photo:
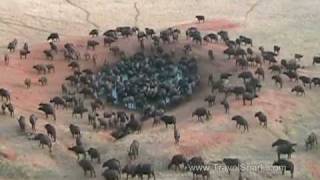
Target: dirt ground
[(267, 22)]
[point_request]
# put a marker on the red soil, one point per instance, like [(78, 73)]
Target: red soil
[(8, 154), (314, 169)]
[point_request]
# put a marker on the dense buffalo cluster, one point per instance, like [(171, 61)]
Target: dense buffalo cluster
[(150, 83), (142, 81)]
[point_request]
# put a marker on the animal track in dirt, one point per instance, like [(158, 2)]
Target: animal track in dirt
[(136, 18), (251, 9), (88, 14)]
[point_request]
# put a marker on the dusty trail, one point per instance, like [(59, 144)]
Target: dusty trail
[(88, 14), (136, 17), (251, 9)]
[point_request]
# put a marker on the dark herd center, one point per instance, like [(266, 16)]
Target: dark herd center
[(139, 82)]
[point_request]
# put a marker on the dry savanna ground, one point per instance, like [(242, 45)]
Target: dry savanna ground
[(288, 24)]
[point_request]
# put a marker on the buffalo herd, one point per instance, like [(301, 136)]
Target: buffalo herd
[(151, 83)]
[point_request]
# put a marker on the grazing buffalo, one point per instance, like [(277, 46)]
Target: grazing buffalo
[(245, 75), (108, 41), (262, 118), (246, 96), (103, 123), (27, 82), (87, 166), (311, 141), (245, 40), (210, 37), (58, 101), (112, 164), (43, 81), (176, 135), (231, 163), (4, 93), (44, 140), (275, 68), (75, 130), (79, 110), (260, 72), (285, 165), (237, 91), (53, 37), (51, 131), (226, 105), (115, 50), (316, 60), (24, 53), (33, 120), (241, 121), (285, 149), (12, 45), (278, 80), (134, 125), (53, 47), (144, 169), (94, 154), (200, 18), (92, 44), (129, 169), (316, 81), (110, 174), (134, 150), (177, 160), (306, 80), (276, 49), (48, 53), (225, 76), (40, 68), (22, 123), (47, 109), (279, 142), (79, 141), (8, 106), (292, 75), (210, 54), (298, 89), (167, 119), (74, 65), (94, 33), (210, 99), (194, 162), (201, 112), (149, 32), (50, 68), (78, 150)]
